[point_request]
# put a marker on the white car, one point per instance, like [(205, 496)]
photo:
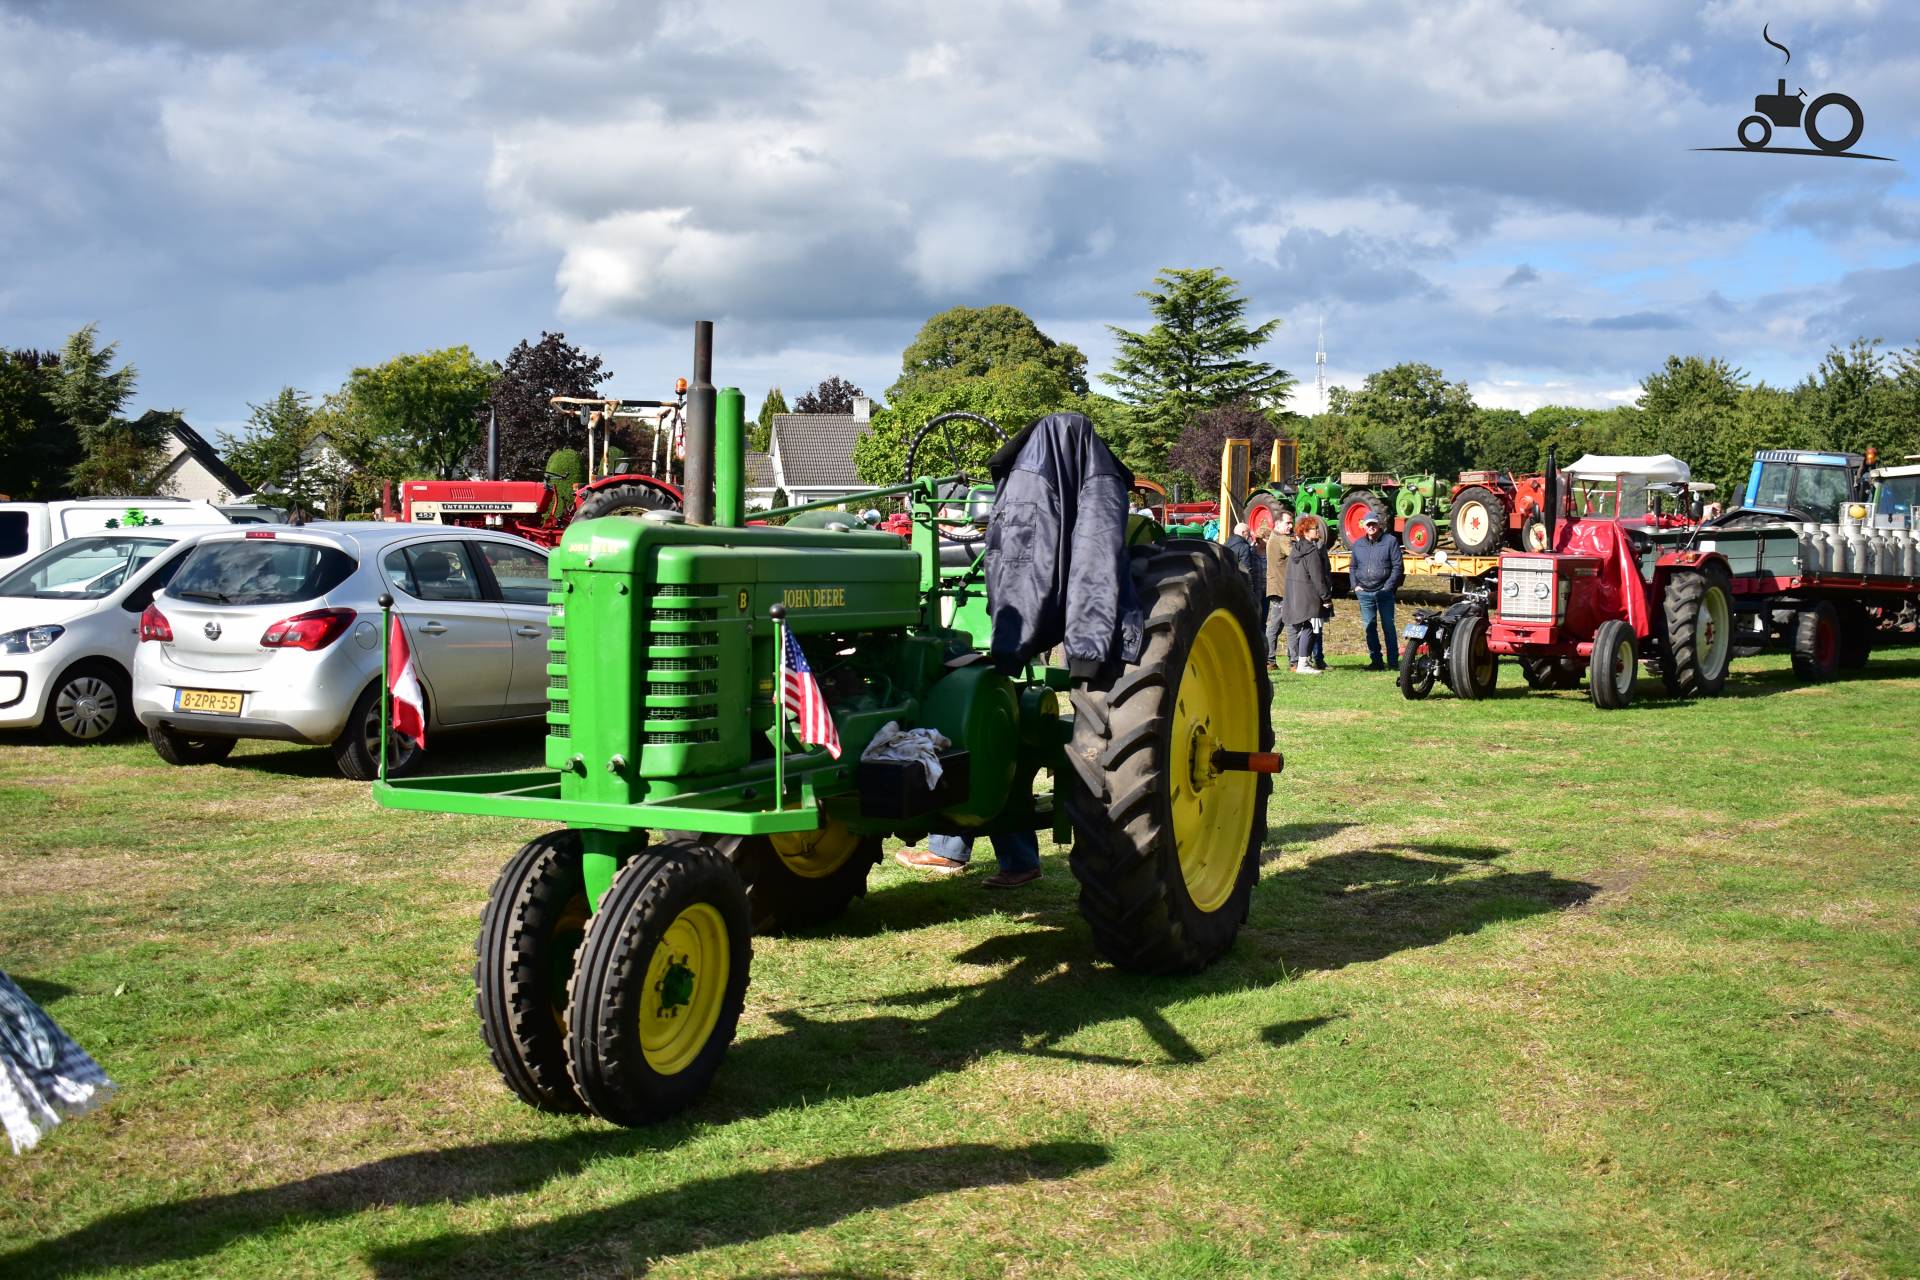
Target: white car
[(29, 528), (69, 625), (273, 631)]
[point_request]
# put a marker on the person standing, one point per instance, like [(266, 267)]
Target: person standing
[(1279, 547), (1308, 601), (1377, 573)]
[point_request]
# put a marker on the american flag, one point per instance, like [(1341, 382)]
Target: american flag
[(812, 722)]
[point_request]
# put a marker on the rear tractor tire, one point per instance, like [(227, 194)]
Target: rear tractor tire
[(530, 932), (1696, 632), (624, 500), (1478, 521), (1166, 848), (660, 980), (799, 880), (1613, 671)]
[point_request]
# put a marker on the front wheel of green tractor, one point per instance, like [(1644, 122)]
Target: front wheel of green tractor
[(661, 979), (530, 932), (1166, 846), (802, 879)]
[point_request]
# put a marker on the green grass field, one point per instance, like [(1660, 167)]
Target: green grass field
[(1528, 990)]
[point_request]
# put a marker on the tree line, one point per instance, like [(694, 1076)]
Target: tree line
[(1192, 379), (1183, 384)]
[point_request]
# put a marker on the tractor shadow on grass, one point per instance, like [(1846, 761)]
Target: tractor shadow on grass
[(704, 1213), (1341, 909)]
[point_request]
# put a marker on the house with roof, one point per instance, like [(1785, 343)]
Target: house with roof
[(811, 454), (760, 483), (194, 470)]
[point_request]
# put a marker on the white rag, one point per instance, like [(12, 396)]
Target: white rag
[(895, 743)]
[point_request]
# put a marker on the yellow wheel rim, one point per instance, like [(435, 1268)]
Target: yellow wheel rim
[(685, 987), (816, 854), (1215, 708)]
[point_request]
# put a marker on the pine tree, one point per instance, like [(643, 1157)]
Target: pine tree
[(760, 435), (117, 456), (1198, 355)]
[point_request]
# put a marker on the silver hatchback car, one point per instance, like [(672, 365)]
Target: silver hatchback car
[(274, 632)]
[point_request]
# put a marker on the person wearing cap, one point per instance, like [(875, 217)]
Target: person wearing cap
[(1376, 573)]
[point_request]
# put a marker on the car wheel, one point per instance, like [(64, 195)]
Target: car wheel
[(90, 702), (357, 750), (183, 749)]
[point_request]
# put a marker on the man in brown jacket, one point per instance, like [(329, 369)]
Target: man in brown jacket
[(1279, 547)]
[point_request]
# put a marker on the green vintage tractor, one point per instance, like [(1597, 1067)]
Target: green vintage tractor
[(613, 957)]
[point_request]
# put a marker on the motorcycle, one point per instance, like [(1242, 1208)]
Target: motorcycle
[(1424, 656)]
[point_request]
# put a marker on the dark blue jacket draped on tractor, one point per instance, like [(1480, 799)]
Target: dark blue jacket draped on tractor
[(1056, 549)]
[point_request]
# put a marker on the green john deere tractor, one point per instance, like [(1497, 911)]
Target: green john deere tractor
[(613, 955)]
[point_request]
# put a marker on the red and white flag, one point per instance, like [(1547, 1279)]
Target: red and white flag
[(403, 685), (812, 722)]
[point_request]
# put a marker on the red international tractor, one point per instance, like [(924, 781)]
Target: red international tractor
[(1622, 583), (539, 510)]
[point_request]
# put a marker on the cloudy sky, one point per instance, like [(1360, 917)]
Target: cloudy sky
[(251, 196)]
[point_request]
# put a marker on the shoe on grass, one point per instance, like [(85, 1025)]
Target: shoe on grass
[(928, 860), (1308, 669), (1376, 666), (1010, 879)]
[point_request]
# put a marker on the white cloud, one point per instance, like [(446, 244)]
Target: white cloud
[(823, 174)]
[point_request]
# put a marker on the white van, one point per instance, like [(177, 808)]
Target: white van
[(28, 528)]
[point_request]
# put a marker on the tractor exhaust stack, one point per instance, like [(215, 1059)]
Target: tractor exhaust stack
[(697, 474), (1552, 491)]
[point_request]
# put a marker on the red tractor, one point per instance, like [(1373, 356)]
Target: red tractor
[(1493, 509), (537, 510), (1622, 583)]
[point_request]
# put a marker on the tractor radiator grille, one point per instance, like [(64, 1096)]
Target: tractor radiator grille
[(680, 640), (556, 681), (684, 664), (1527, 590)]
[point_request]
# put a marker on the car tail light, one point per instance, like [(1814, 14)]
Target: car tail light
[(314, 630), (268, 534), (154, 626)]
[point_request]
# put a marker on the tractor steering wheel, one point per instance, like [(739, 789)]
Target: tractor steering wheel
[(949, 454), (951, 451)]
